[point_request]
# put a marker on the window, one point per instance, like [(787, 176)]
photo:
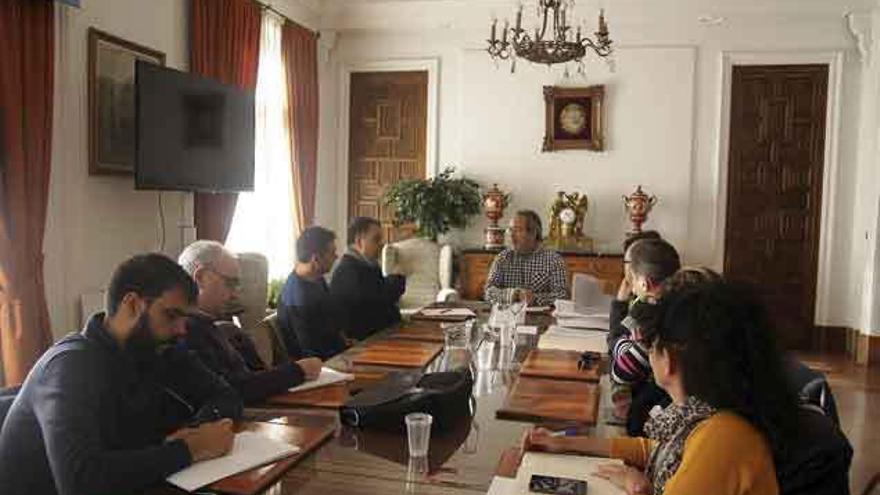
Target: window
[(264, 220)]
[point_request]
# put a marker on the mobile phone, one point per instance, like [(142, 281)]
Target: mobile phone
[(553, 485)]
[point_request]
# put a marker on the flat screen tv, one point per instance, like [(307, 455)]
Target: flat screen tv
[(193, 133)]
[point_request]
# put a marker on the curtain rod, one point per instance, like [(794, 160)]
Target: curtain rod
[(272, 9)]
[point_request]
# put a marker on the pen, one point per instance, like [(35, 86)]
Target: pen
[(567, 432)]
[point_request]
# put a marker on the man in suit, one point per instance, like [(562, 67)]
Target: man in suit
[(118, 407), (368, 299), (310, 320), (217, 273)]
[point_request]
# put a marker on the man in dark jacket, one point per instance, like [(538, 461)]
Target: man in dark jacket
[(367, 298), (217, 273), (309, 318), (648, 261), (106, 410)]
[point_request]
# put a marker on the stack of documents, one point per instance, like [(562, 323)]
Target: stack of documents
[(569, 315), (574, 339), (328, 376), (250, 450)]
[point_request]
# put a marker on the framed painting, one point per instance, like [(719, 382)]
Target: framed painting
[(112, 101), (574, 118)]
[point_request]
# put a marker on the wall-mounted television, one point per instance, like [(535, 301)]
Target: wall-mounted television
[(193, 133)]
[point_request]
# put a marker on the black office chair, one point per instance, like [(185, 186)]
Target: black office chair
[(818, 460), (7, 397), (813, 389)]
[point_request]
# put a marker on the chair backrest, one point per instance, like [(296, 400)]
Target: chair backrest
[(817, 462), (251, 299), (269, 327), (586, 291), (426, 265), (812, 388), (873, 484), (254, 288)]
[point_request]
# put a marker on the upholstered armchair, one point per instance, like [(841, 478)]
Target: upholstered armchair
[(251, 301), (427, 267)]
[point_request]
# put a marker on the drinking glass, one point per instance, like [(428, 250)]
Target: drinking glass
[(418, 433)]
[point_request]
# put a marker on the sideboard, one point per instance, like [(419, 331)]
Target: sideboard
[(474, 267)]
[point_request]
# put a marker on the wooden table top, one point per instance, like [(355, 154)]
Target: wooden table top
[(462, 461)]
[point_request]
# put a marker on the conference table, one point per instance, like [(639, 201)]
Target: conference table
[(463, 460)]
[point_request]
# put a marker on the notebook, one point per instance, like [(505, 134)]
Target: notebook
[(328, 376), (249, 451)]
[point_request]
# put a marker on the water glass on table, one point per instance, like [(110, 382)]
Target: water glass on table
[(418, 433), (457, 335)]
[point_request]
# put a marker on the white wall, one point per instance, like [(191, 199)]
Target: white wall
[(663, 114), (96, 222)]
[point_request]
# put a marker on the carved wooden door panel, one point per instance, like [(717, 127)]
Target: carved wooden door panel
[(388, 133), (774, 198)]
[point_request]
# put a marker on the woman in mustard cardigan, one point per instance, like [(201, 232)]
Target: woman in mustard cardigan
[(712, 349)]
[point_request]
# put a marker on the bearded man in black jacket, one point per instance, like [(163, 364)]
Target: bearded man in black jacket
[(367, 297), (118, 407)]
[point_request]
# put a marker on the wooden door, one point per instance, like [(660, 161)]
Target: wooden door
[(388, 133), (777, 148)]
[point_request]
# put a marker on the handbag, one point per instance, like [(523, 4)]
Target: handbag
[(446, 396)]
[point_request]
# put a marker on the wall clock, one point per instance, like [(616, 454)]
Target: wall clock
[(574, 118)]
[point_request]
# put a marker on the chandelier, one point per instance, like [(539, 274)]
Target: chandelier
[(551, 43)]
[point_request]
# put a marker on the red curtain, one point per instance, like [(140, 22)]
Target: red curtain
[(27, 46), (300, 52), (225, 45)]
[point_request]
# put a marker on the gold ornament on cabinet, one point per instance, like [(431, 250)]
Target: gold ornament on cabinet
[(567, 215)]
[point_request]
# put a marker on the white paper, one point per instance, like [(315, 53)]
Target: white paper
[(250, 450), (537, 309), (573, 339), (527, 330), (586, 291), (502, 486), (328, 376), (591, 322), (439, 312), (564, 466)]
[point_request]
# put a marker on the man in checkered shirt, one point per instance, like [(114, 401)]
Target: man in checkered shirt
[(536, 273)]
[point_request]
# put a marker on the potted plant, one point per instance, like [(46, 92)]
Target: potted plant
[(435, 205)]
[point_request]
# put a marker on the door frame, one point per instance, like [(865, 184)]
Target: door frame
[(834, 60), (432, 67)]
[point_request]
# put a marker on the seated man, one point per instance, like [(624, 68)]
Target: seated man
[(310, 320), (217, 272), (106, 410), (647, 263), (527, 270), (368, 298)]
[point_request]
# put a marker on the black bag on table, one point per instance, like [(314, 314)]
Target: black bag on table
[(446, 396)]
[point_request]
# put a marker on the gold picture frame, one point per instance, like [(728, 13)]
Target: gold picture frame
[(112, 116), (574, 118)]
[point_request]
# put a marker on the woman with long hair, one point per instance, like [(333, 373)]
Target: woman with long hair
[(711, 347)]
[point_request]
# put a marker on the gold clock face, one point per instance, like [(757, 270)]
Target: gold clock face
[(573, 118)]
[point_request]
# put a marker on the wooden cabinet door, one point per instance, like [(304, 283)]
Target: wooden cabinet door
[(387, 141), (774, 198)]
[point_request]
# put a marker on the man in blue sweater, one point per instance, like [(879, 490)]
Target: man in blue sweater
[(309, 317), (368, 298), (117, 407)]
